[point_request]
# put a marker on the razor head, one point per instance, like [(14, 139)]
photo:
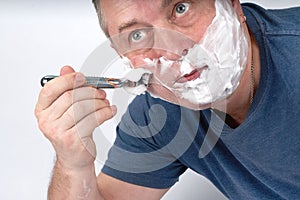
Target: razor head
[(146, 79)]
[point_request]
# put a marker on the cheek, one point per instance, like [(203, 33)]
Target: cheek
[(162, 92), (139, 62), (136, 62), (202, 20)]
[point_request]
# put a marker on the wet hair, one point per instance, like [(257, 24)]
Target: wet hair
[(101, 18)]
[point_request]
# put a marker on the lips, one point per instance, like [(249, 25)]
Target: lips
[(196, 73)]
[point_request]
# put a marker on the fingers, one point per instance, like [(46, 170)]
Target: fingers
[(93, 120), (68, 112), (56, 87), (66, 70), (87, 113), (64, 102), (79, 110)]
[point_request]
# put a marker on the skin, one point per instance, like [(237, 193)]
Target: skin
[(193, 26), (71, 133)]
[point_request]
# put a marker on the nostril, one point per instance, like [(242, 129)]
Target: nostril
[(185, 52)]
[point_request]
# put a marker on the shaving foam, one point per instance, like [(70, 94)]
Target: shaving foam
[(221, 56), (135, 75)]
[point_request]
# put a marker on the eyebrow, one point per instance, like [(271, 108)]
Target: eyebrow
[(166, 3), (127, 25), (131, 23)]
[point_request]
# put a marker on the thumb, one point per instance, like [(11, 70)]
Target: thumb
[(66, 70)]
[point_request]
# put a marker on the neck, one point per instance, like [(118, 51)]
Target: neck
[(238, 104)]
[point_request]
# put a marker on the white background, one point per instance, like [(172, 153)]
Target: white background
[(37, 38)]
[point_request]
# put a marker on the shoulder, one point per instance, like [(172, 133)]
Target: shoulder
[(274, 21), (150, 121), (278, 35), (145, 108), (156, 122)]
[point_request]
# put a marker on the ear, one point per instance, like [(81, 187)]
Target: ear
[(236, 4), (238, 8)]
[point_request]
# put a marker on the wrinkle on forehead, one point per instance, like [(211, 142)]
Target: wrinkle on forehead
[(119, 13)]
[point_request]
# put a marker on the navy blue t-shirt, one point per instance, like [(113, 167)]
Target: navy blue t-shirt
[(157, 141)]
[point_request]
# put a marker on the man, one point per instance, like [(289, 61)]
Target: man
[(249, 51)]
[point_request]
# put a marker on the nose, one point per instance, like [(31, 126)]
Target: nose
[(170, 55), (166, 43), (172, 44), (139, 59)]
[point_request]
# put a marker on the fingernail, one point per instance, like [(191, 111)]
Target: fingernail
[(107, 102), (102, 92), (113, 109), (79, 78)]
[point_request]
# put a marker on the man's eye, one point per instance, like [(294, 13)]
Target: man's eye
[(181, 9), (136, 36)]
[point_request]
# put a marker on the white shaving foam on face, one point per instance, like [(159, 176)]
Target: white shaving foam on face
[(185, 67), (126, 61), (135, 75), (221, 57)]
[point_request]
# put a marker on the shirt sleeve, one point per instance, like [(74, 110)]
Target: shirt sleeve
[(141, 153)]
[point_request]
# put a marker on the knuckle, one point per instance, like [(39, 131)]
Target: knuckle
[(98, 104), (43, 123), (68, 96), (77, 80), (37, 112), (47, 91), (45, 127), (104, 114)]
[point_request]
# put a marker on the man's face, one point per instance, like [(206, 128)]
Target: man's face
[(173, 26)]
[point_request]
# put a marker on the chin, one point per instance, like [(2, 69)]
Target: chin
[(167, 95), (193, 106)]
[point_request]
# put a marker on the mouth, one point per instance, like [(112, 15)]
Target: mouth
[(193, 75)]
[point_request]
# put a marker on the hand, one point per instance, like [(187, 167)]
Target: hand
[(67, 114)]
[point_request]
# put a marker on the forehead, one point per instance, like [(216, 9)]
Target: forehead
[(119, 13)]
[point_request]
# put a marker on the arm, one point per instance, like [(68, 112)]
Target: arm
[(83, 185), (67, 114), (72, 184), (114, 189)]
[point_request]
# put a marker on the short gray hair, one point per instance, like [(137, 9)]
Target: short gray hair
[(101, 18)]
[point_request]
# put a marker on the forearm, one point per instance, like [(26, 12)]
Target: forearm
[(69, 184)]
